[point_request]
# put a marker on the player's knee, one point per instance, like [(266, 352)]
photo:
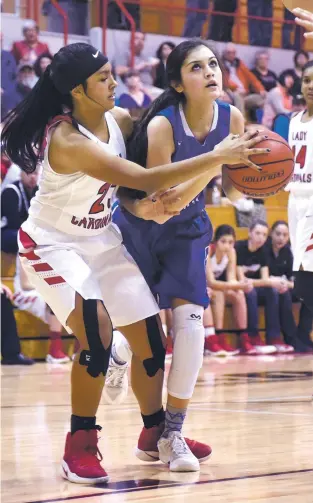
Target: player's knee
[(188, 343), (157, 361), (97, 357), (303, 287)]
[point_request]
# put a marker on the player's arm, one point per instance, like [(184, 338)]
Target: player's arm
[(124, 121), (237, 126), (304, 18), (231, 276)]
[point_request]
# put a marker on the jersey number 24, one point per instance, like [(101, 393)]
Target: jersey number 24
[(300, 158)]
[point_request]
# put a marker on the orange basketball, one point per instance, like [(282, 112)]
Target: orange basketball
[(277, 169)]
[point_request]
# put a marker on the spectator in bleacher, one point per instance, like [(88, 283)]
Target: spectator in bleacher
[(260, 32), (10, 342), (221, 26), (280, 262), (25, 80), (252, 264), (291, 33), (162, 54), (144, 64), (300, 59), (267, 78), (135, 100), (9, 98), (77, 12), (195, 20), (41, 63), (226, 289), (248, 92), (30, 48), (279, 99)]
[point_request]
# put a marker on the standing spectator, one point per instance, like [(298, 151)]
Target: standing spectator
[(252, 264), (291, 31), (242, 82), (77, 14), (10, 343), (267, 78), (280, 261), (30, 48), (225, 289), (162, 54), (300, 59), (195, 20), (9, 97), (221, 27), (135, 100), (279, 99), (144, 64), (41, 63), (260, 32)]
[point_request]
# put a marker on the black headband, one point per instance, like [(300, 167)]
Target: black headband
[(72, 66)]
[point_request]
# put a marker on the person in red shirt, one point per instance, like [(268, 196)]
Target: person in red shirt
[(30, 48)]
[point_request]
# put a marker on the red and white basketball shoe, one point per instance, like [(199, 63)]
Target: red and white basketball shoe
[(247, 347), (147, 448), (281, 347), (261, 347), (212, 346), (56, 353), (228, 349), (81, 461)]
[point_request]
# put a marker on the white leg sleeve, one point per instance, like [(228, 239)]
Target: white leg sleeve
[(121, 348), (188, 344)]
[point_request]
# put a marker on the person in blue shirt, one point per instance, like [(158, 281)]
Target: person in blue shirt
[(184, 122)]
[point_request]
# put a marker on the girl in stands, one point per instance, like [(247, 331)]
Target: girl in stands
[(226, 289), (185, 121), (72, 254)]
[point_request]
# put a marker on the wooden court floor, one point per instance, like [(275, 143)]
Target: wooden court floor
[(256, 413)]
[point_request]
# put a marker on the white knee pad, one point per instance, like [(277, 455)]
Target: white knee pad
[(188, 344), (121, 348)]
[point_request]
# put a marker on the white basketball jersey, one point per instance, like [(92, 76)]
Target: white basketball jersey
[(301, 142), (219, 268), (77, 204)]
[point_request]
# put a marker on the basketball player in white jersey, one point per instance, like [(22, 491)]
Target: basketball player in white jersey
[(72, 253), (300, 206)]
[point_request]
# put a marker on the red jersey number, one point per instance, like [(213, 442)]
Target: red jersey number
[(300, 159), (98, 206)]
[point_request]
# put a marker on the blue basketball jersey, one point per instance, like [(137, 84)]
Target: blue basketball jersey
[(172, 255), (187, 146)]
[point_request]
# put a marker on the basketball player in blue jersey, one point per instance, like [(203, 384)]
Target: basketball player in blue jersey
[(184, 122)]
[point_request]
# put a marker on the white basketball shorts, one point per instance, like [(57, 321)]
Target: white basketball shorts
[(300, 217)]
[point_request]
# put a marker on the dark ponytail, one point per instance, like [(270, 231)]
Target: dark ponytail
[(137, 147), (24, 127)]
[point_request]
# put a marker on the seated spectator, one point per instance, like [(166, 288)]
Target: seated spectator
[(225, 289), (135, 100), (252, 264), (267, 78), (144, 64), (26, 298), (280, 261), (30, 48), (248, 210), (77, 14), (260, 31), (221, 26), (279, 99), (162, 54), (242, 82), (195, 20), (9, 97), (26, 79), (10, 342), (41, 63), (300, 59)]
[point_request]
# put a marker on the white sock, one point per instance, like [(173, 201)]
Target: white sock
[(209, 331)]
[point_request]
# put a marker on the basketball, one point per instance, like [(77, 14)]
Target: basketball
[(303, 4), (277, 168)]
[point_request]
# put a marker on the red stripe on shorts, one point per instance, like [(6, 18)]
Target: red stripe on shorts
[(26, 240), (55, 280), (30, 256), (309, 248), (42, 267)]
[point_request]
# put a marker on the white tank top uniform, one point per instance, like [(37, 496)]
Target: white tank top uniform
[(300, 205), (219, 269), (69, 244)]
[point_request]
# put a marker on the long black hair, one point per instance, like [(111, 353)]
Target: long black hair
[(137, 147), (223, 230), (24, 127)]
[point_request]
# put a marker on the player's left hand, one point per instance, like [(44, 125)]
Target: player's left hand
[(304, 18), (6, 291)]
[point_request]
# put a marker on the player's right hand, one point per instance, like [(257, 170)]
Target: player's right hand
[(304, 18), (236, 149)]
